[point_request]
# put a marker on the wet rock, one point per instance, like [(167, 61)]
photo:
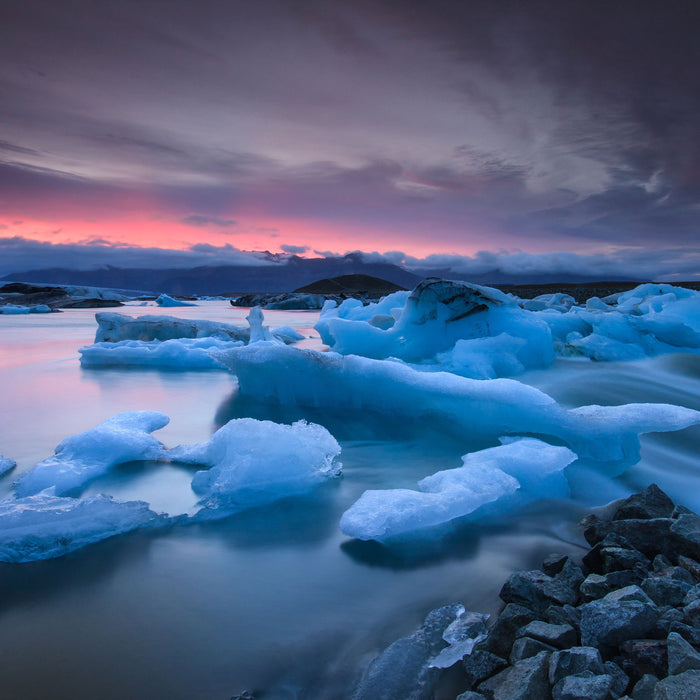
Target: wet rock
[(554, 563), (536, 590), (525, 647), (502, 635), (470, 695), (621, 615), (573, 661), (690, 565), (480, 665), (691, 613), (583, 686), (660, 563), (667, 619), (684, 686), (650, 537), (686, 530), (559, 636), (564, 615), (597, 586), (650, 503), (692, 595), (690, 634), (525, 680), (641, 656), (571, 575), (644, 688), (681, 655)]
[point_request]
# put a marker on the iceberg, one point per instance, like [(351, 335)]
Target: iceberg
[(165, 300), (44, 526), (182, 353), (467, 407), (526, 466), (253, 462), (435, 317), (17, 309), (6, 465), (85, 456)]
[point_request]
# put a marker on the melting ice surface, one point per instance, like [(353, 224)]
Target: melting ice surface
[(276, 597)]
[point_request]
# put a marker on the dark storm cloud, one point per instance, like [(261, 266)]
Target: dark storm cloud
[(552, 123)]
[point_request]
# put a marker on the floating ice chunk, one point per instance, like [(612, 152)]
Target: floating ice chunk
[(113, 327), (14, 309), (485, 477), (254, 462), (85, 456), (46, 526), (484, 358), (435, 316), (603, 348), (6, 465), (462, 636), (258, 332), (287, 334), (165, 300), (181, 353), (557, 301), (403, 670), (470, 407)]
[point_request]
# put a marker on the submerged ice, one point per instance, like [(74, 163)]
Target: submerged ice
[(44, 526), (252, 462), (527, 466), (80, 458)]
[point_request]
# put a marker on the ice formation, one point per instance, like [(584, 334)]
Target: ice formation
[(165, 300), (44, 526), (252, 462), (181, 353), (16, 309), (85, 456), (527, 466), (462, 636), (6, 465), (436, 317), (484, 409)]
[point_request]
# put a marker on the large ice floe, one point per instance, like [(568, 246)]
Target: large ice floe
[(80, 458), (483, 333), (526, 467), (471, 330), (458, 405), (254, 462), (173, 343), (44, 526)]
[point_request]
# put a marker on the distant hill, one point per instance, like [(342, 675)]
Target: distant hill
[(225, 279), (350, 285)]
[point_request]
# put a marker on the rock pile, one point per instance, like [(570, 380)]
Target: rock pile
[(622, 623)]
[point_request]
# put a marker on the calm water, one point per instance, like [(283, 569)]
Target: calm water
[(275, 598)]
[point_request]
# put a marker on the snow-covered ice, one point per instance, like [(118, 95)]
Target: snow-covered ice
[(252, 462), (44, 526), (165, 300), (473, 408), (80, 458), (528, 466)]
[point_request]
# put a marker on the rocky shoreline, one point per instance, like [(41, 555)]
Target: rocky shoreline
[(623, 622)]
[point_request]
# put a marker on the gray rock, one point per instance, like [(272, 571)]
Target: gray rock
[(564, 615), (684, 686), (690, 634), (574, 661), (692, 595), (650, 537), (480, 665), (681, 510), (681, 655), (470, 695), (644, 688), (536, 590), (619, 616), (667, 619), (686, 530), (597, 586), (525, 647), (665, 590), (622, 559), (526, 680), (620, 680), (584, 686), (571, 575), (502, 635), (650, 503), (690, 565), (660, 563), (559, 636), (691, 613)]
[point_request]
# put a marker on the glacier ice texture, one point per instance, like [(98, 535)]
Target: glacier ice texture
[(165, 300), (526, 467), (80, 458), (469, 407), (6, 465), (254, 462), (44, 526)]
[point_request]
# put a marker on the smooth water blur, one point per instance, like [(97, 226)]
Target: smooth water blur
[(275, 598)]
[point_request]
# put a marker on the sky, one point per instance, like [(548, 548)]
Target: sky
[(556, 134)]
